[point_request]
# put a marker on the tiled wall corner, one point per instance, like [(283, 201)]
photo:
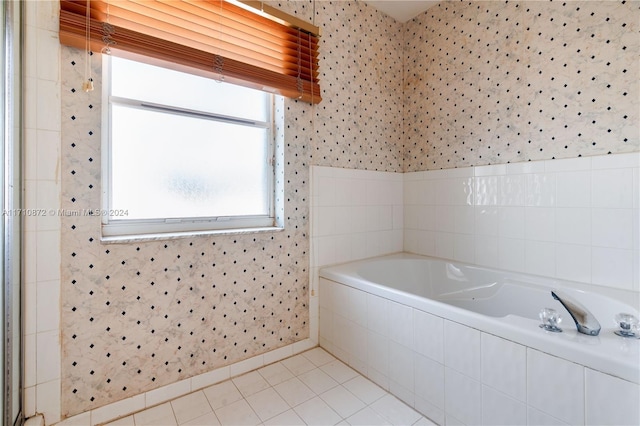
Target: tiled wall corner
[(41, 239)]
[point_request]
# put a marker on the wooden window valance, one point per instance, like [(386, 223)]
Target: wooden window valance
[(262, 48)]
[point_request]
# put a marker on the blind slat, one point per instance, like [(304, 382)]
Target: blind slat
[(190, 35)]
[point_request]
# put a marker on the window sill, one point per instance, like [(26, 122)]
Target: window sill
[(125, 239)]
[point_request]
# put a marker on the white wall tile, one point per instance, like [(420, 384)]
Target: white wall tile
[(511, 222), (541, 190), (48, 93), (612, 188), (573, 189), (30, 363), (499, 409), (486, 220), (118, 409), (48, 400), (612, 267), (47, 356), (540, 258), (48, 305), (568, 164), (504, 366), (573, 225), (48, 148), (573, 262), (466, 401), (555, 386), (401, 368), (636, 188), (378, 353), (444, 244), (464, 248), (512, 190), (487, 251), (48, 51), (445, 218), (486, 191), (540, 224), (168, 392), (617, 161), (429, 381), (401, 324), (464, 219), (511, 254), (427, 243), (610, 228), (48, 256), (609, 400), (378, 314), (428, 335), (462, 349)]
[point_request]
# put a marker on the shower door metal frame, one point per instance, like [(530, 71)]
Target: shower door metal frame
[(11, 227)]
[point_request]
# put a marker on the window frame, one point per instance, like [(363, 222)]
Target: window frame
[(114, 229)]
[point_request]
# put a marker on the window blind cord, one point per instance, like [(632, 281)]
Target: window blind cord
[(218, 59), (87, 84), (107, 31)]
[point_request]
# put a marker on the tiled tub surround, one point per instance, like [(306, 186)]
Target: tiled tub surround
[(444, 362), (574, 219), (355, 214)]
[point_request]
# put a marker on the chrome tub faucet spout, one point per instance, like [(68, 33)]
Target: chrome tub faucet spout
[(585, 321)]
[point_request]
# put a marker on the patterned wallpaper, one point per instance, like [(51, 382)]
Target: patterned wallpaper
[(490, 82), (358, 124)]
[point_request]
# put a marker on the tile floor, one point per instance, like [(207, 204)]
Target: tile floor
[(312, 388)]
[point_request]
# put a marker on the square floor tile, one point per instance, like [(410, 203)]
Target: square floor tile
[(395, 411), (318, 356), (208, 419), (161, 415), (267, 404), (298, 364), (190, 406), (364, 389), (222, 394), (125, 421), (318, 381), (275, 373), (338, 371), (367, 417), (317, 412), (238, 413), (250, 383), (342, 401), (294, 391), (424, 422), (288, 418)]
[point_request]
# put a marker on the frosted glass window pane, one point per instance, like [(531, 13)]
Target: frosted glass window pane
[(148, 83), (173, 166)]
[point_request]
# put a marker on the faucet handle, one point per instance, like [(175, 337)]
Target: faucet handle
[(550, 320), (629, 325)]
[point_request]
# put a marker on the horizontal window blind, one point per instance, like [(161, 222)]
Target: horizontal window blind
[(214, 38)]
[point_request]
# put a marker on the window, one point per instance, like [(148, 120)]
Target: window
[(184, 153)]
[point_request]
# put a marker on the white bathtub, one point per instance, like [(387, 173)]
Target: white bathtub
[(450, 315)]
